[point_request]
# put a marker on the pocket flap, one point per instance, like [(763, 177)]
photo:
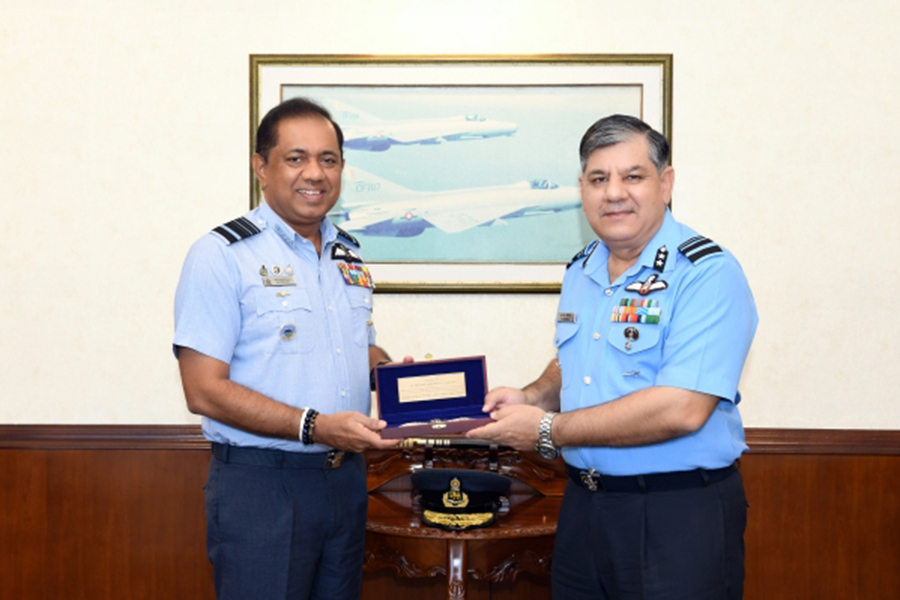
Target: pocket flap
[(359, 297), (564, 331), (633, 337)]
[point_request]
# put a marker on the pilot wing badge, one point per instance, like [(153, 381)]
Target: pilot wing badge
[(645, 287), (342, 252)]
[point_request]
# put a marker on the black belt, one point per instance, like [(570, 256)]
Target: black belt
[(652, 482), (279, 459)]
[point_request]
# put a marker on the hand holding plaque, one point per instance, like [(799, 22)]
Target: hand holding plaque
[(436, 398)]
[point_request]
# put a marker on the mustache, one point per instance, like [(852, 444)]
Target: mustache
[(614, 207)]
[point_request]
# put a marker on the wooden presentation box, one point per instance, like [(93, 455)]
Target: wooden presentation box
[(435, 398)]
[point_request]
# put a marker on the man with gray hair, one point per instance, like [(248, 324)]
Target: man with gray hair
[(654, 325)]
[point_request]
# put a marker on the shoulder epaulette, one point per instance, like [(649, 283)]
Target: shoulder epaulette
[(347, 236), (586, 251), (236, 230), (698, 247)]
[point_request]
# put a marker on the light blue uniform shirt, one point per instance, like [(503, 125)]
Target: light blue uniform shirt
[(223, 310), (707, 319)]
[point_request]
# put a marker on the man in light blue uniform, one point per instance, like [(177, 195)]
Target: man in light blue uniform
[(274, 339), (654, 325)]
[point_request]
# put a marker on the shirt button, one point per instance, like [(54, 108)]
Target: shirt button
[(338, 350), (343, 393), (284, 302), (330, 308), (596, 335), (587, 380), (609, 291)]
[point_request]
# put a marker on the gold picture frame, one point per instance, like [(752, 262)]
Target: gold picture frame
[(453, 153)]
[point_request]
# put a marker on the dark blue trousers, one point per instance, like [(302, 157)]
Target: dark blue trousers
[(685, 544), (282, 532)]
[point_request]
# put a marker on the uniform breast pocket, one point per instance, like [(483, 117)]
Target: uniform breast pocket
[(565, 348), (360, 300), (285, 319)]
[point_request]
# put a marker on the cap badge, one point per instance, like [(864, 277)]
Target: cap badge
[(455, 497)]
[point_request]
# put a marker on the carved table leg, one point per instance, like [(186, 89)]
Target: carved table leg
[(456, 569)]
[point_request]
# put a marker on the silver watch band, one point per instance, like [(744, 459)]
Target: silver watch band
[(545, 445)]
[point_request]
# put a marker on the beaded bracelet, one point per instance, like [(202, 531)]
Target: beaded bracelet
[(302, 424), (309, 426)]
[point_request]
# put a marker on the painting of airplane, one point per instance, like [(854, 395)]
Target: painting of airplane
[(363, 131), (374, 206)]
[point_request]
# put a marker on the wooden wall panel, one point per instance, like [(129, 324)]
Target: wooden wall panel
[(822, 527), (23, 525), (103, 524), (116, 513)]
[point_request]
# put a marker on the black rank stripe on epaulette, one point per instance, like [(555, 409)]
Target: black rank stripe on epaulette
[(236, 230), (698, 248), (347, 236)]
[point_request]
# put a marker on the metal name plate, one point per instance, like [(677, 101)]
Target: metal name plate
[(279, 280)]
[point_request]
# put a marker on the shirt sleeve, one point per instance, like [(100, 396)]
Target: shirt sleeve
[(711, 331), (207, 301)]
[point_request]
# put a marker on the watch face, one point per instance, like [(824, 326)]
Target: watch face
[(548, 453)]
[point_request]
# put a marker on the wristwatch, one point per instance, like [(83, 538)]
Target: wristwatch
[(544, 444)]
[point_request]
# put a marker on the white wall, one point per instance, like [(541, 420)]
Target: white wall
[(124, 137)]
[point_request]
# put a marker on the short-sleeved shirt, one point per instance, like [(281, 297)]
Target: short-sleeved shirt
[(682, 316), (291, 325)]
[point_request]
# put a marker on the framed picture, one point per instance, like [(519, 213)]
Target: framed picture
[(462, 172)]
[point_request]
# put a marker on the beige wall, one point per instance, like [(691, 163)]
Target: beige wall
[(124, 137)]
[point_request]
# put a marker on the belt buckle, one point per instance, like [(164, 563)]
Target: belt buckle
[(590, 479), (334, 459)]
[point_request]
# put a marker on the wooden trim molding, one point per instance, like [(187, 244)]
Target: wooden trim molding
[(102, 437), (189, 437), (824, 441)]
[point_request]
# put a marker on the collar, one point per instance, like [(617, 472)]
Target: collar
[(266, 217), (668, 237)]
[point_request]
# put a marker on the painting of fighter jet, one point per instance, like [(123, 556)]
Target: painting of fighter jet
[(377, 207), (363, 131)]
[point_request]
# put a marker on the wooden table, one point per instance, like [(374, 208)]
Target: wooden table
[(407, 559)]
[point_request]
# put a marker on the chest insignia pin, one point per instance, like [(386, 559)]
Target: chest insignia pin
[(631, 334), (288, 332)]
